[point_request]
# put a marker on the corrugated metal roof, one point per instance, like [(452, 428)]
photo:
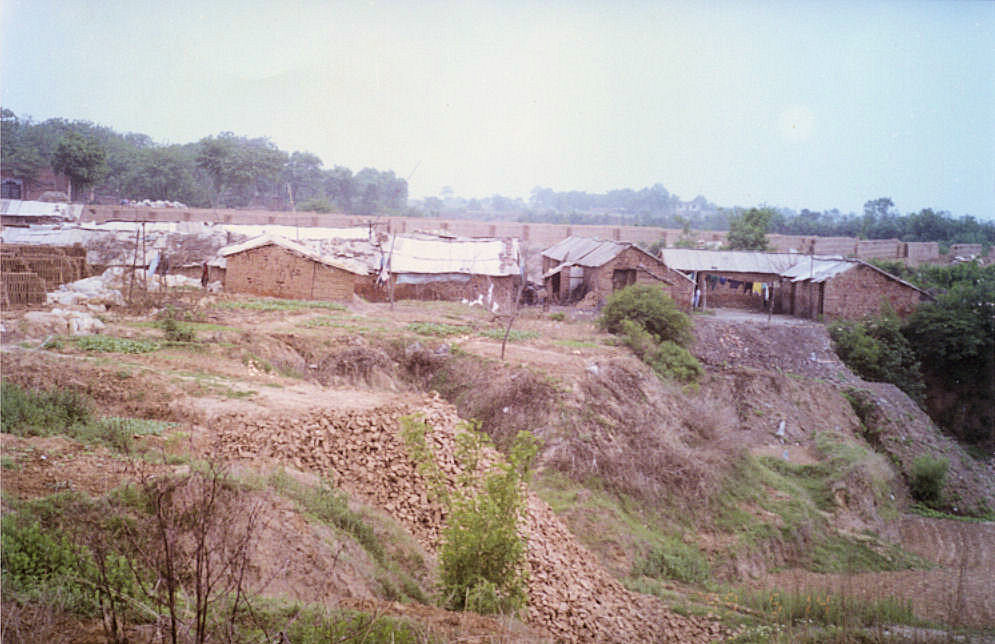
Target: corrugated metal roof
[(584, 251), (571, 248), (22, 208), (817, 269), (431, 254), (728, 261), (292, 246)]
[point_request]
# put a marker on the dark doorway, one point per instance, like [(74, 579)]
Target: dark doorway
[(623, 278)]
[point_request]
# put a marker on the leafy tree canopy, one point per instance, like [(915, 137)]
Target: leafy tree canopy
[(748, 231), (81, 158)]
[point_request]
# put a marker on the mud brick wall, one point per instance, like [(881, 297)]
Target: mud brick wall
[(846, 246), (965, 250), (862, 291), (725, 296), (790, 242), (916, 252), (805, 299), (275, 272), (649, 270), (501, 289), (879, 248)]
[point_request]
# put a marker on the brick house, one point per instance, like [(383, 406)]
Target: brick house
[(278, 267), (46, 180), (578, 266), (726, 277), (420, 266), (846, 289)]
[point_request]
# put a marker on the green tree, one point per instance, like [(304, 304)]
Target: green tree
[(82, 159), (748, 231), (339, 185), (19, 154), (167, 173), (878, 351), (650, 308), (303, 174)]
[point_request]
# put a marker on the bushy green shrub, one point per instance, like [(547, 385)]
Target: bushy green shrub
[(649, 307), (41, 413), (482, 555), (667, 359), (110, 344), (177, 331), (674, 559), (928, 477), (877, 350), (45, 565)]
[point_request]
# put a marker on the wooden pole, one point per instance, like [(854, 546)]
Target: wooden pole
[(145, 263), (134, 263)]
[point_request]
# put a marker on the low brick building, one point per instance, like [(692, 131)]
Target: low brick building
[(420, 266), (278, 267), (579, 266), (846, 289), (727, 278)]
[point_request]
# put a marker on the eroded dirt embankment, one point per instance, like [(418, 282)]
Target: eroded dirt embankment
[(570, 596)]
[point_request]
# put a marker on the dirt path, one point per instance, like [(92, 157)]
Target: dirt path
[(959, 591)]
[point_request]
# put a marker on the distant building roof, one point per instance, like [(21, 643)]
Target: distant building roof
[(420, 253), (818, 269), (792, 266), (40, 209), (293, 247), (728, 261), (584, 251)]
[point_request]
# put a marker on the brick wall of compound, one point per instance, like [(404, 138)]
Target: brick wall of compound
[(648, 271), (534, 235), (965, 250), (501, 290), (879, 249), (275, 272), (863, 291), (727, 296), (916, 252)]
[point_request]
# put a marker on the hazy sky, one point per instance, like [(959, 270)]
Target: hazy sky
[(798, 104)]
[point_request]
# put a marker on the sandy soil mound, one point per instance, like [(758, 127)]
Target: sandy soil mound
[(570, 596)]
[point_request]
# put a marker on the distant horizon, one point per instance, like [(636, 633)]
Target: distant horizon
[(525, 198), (794, 105)]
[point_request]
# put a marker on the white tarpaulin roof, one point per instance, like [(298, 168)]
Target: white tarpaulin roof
[(294, 247), (430, 254), (20, 208), (817, 269), (729, 261)]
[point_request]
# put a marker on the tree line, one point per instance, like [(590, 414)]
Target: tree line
[(656, 206), (222, 171)]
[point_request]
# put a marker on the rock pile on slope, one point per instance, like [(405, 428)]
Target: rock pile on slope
[(570, 595)]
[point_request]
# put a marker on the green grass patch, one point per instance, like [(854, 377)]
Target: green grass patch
[(438, 329), (514, 336), (195, 326), (68, 412), (981, 516), (330, 506), (312, 624), (577, 344), (111, 344), (672, 558), (768, 498), (827, 608), (273, 304)]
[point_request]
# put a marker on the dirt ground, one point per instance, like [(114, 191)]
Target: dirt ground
[(759, 374), (959, 591)]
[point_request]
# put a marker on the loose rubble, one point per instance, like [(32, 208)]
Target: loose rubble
[(570, 595)]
